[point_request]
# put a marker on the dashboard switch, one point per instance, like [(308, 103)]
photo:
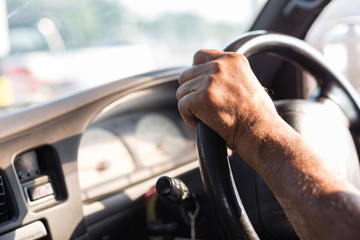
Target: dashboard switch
[(41, 191)]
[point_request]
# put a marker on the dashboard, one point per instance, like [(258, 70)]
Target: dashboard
[(85, 165), (125, 149)]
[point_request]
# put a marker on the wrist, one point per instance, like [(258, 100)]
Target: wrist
[(261, 145)]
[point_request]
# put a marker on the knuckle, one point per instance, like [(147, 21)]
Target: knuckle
[(201, 56), (178, 93), (208, 96), (181, 79), (200, 53), (216, 66), (212, 82), (186, 113), (179, 105), (232, 54), (241, 58), (183, 76)]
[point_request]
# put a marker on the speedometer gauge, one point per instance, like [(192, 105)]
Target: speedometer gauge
[(158, 140), (102, 157)]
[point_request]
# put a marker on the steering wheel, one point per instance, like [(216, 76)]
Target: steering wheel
[(215, 169)]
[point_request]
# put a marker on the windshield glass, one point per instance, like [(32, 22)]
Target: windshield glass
[(58, 47)]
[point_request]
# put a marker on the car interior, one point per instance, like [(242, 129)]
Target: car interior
[(118, 162)]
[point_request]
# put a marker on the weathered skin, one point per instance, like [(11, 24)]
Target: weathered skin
[(221, 90)]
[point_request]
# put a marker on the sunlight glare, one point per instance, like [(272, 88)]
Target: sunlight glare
[(46, 26), (226, 10)]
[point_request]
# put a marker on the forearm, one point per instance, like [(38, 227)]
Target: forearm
[(319, 204), (222, 91)]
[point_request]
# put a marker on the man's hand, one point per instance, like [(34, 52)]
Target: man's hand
[(222, 91)]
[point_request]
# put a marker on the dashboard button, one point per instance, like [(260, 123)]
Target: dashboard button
[(41, 191)]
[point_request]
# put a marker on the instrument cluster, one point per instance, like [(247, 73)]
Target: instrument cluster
[(129, 148)]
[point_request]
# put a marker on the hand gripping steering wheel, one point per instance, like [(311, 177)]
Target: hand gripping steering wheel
[(215, 170)]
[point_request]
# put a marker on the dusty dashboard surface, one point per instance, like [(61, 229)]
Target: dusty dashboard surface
[(122, 149)]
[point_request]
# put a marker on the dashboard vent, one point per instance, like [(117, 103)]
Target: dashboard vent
[(4, 212)]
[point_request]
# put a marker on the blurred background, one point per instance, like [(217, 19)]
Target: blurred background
[(52, 48), (58, 47)]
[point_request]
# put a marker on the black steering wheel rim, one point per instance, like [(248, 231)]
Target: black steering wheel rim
[(215, 170)]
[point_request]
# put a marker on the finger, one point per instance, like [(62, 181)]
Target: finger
[(206, 55), (185, 108), (184, 90), (190, 73), (189, 87), (198, 72)]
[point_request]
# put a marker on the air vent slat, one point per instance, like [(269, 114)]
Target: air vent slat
[(3, 204)]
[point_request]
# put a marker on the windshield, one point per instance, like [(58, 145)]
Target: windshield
[(61, 46)]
